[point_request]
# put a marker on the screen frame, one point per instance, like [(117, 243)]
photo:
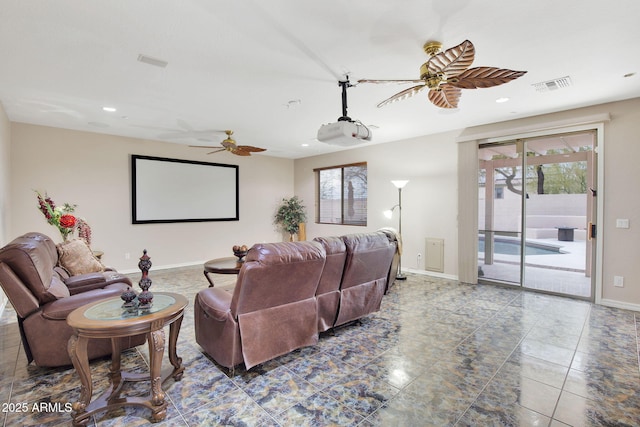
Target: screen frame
[(159, 218)]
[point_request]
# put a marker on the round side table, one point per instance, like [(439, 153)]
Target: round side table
[(230, 265), (108, 319)]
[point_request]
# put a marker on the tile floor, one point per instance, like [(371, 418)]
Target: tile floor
[(438, 353)]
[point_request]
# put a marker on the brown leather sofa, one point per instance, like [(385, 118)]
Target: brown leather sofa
[(43, 294), (288, 292), (272, 310)]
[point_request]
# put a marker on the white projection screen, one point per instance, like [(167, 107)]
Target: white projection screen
[(172, 190)]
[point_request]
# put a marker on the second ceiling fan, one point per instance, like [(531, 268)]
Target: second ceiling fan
[(229, 144), (446, 73)]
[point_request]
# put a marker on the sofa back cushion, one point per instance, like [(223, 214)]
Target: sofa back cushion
[(369, 258), (334, 266), (276, 274), (32, 257)]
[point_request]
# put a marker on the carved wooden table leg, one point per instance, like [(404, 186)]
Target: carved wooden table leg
[(174, 330), (156, 340), (115, 368), (77, 349)]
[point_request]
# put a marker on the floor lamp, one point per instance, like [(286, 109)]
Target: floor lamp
[(399, 185)]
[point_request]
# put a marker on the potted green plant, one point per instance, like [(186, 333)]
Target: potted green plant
[(290, 214)]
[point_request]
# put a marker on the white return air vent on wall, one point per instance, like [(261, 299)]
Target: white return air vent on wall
[(551, 85), (434, 255)]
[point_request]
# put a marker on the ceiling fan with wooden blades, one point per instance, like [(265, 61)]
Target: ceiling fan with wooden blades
[(229, 144), (446, 73)]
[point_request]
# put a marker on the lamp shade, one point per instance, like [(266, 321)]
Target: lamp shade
[(400, 183)]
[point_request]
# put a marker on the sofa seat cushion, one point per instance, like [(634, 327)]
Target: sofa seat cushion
[(76, 257), (60, 309)]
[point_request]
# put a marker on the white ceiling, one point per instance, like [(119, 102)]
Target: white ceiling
[(269, 70)]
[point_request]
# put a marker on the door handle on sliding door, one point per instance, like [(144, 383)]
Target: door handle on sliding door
[(591, 230)]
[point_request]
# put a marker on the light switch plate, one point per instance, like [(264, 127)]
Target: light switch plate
[(622, 223)]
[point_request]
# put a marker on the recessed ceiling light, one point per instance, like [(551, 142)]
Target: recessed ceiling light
[(109, 109), (501, 100), (305, 145)]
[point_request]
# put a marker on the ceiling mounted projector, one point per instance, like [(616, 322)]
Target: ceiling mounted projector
[(345, 132)]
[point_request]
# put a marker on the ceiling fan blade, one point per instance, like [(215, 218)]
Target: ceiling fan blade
[(407, 93), (389, 81), (217, 151), (239, 152), (453, 61), (251, 148), (482, 77), (447, 97)]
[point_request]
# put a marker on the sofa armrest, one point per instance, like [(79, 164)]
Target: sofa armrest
[(85, 282), (215, 302), (89, 281), (22, 300), (60, 309)]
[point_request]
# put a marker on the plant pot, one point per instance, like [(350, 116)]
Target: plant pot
[(302, 232)]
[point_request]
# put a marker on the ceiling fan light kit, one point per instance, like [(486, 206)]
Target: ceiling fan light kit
[(446, 73)]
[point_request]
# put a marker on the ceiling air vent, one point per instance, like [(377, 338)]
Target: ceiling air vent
[(152, 61), (554, 84)]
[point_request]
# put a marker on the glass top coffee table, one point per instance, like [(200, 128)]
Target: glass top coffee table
[(109, 319)]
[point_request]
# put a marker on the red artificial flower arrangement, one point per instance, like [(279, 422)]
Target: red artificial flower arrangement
[(63, 219)]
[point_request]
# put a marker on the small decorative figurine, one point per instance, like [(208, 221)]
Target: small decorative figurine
[(128, 296), (145, 298)]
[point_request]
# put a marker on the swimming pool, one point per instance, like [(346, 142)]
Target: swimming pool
[(512, 247)]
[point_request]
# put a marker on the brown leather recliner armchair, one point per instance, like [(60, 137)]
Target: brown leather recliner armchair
[(43, 295), (369, 257), (272, 310)]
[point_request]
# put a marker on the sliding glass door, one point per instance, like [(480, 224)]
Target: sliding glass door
[(536, 210), (500, 212)]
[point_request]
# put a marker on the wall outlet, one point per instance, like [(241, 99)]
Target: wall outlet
[(127, 255), (618, 281)]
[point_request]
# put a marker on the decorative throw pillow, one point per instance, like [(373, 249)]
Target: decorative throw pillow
[(76, 257)]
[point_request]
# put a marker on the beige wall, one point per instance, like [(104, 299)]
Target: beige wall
[(93, 171), (5, 144), (429, 201)]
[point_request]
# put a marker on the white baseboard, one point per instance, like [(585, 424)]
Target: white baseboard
[(620, 304), (431, 273), (163, 267)]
